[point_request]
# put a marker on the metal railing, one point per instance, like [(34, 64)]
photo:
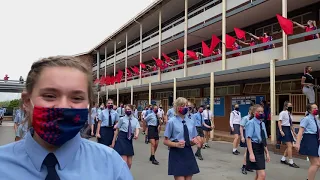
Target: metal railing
[(299, 102)]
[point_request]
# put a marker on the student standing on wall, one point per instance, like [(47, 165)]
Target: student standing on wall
[(307, 81), (235, 119), (286, 130), (208, 120)]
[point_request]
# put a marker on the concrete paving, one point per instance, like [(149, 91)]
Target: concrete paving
[(219, 163)]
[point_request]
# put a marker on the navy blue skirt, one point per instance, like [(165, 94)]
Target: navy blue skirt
[(106, 134), (287, 134), (182, 162), (258, 151), (123, 145), (208, 122), (244, 144), (153, 132), (309, 145), (236, 128)]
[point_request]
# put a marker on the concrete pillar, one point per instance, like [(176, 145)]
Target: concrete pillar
[(212, 100), (131, 95), (107, 94), (224, 31), (273, 99), (98, 100), (118, 97), (105, 67), (98, 64), (149, 93), (174, 89), (141, 47), (115, 58), (126, 60), (185, 37), (284, 36), (160, 42)]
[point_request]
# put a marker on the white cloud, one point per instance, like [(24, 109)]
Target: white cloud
[(36, 28)]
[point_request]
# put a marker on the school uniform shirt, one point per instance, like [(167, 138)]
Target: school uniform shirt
[(205, 114), (18, 118), (104, 117), (235, 118), (170, 113), (94, 114), (284, 117), (151, 119), (78, 158), (120, 111), (198, 119), (143, 114), (1, 112), (99, 111), (123, 124), (253, 130), (136, 113), (22, 130), (160, 113), (174, 129), (244, 120), (149, 111), (309, 124)]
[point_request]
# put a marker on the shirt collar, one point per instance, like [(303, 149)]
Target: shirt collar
[(257, 120), (64, 154)]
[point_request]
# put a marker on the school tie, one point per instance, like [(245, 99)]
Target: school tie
[(263, 136), (201, 119), (158, 122), (110, 119), (318, 131), (50, 162), (208, 115), (186, 134), (129, 130), (290, 120)]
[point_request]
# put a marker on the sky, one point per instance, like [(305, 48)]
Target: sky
[(34, 29)]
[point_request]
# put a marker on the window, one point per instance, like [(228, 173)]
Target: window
[(285, 86)]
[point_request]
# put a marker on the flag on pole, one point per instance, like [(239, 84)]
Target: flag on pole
[(214, 42), (159, 62), (206, 50), (129, 74), (181, 57), (167, 58), (135, 69), (240, 33), (97, 81), (286, 24), (192, 54), (119, 76), (230, 41), (143, 66)]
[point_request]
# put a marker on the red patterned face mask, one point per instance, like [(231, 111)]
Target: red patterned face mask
[(56, 126)]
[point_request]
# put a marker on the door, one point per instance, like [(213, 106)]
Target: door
[(165, 105), (280, 99)]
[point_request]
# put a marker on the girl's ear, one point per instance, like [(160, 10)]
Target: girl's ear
[(26, 101)]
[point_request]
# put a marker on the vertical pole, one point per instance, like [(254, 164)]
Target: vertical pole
[(212, 100), (131, 95), (115, 57), (98, 100), (141, 47), (273, 99), (149, 93), (185, 36), (174, 89), (160, 42), (105, 68), (224, 27), (118, 97), (284, 36), (126, 61), (98, 64), (107, 95)]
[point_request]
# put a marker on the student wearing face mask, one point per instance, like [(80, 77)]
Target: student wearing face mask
[(286, 130), (19, 117), (126, 130), (243, 142), (120, 110), (160, 115), (256, 135), (107, 119), (308, 139), (93, 118), (143, 115), (235, 119), (153, 123), (208, 119), (180, 135), (199, 123), (53, 149)]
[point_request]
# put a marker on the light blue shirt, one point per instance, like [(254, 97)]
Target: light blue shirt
[(1, 112), (309, 124), (253, 130), (120, 111), (22, 130), (170, 113), (174, 129), (198, 120), (78, 158), (99, 111), (18, 118), (94, 114), (151, 119), (136, 114), (123, 124), (244, 121), (148, 112), (104, 117)]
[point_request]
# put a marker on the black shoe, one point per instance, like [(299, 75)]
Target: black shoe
[(155, 162), (284, 162), (207, 146), (150, 159), (237, 152), (200, 157), (294, 165), (244, 170), (196, 155), (250, 170)]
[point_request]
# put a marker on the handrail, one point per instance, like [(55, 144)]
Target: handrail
[(11, 81)]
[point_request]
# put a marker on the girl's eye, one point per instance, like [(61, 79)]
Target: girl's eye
[(49, 96), (78, 98)]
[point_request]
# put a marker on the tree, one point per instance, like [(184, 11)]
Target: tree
[(14, 103), (4, 103)]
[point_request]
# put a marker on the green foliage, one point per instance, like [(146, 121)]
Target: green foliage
[(14, 103), (4, 103)]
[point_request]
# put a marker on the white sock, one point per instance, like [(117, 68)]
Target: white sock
[(290, 161), (234, 150), (283, 158)]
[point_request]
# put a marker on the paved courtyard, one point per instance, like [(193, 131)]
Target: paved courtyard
[(219, 163)]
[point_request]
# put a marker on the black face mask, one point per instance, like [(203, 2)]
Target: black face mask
[(237, 109), (290, 109), (208, 108)]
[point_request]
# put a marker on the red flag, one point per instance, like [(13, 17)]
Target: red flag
[(167, 58), (206, 50), (181, 57), (286, 24), (230, 41), (143, 66), (214, 42), (192, 54), (240, 33), (97, 81), (135, 70), (159, 62), (103, 80), (107, 80), (129, 73), (119, 76)]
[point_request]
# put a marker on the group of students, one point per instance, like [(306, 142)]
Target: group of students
[(2, 111)]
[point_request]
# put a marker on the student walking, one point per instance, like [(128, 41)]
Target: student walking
[(208, 120), (235, 118)]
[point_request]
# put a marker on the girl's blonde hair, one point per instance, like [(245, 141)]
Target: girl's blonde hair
[(180, 101)]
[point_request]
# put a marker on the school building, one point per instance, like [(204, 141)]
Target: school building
[(223, 79)]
